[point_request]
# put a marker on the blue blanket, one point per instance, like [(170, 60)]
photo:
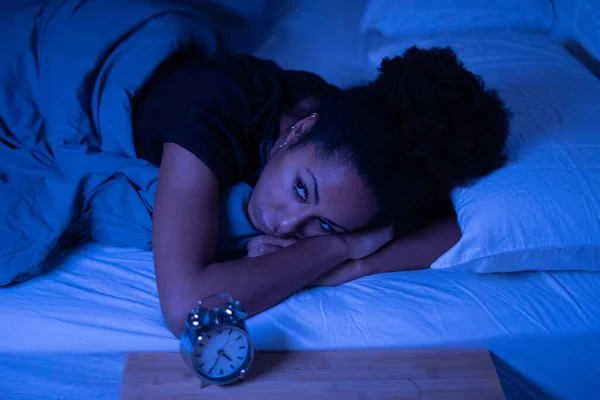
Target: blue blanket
[(68, 71)]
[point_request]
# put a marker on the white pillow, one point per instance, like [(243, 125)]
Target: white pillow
[(542, 210), (579, 20), (404, 18)]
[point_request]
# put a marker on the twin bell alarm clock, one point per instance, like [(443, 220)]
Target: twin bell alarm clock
[(215, 344)]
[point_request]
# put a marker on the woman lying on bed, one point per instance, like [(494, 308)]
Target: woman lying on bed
[(347, 182)]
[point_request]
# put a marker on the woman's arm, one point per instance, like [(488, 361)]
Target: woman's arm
[(416, 251), (185, 231)]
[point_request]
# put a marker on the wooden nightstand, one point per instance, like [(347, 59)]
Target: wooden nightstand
[(331, 375)]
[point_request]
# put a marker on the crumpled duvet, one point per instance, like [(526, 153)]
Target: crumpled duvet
[(68, 172)]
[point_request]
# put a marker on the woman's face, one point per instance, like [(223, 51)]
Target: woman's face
[(301, 194)]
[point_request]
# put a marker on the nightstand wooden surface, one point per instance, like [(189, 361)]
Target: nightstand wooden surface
[(331, 375)]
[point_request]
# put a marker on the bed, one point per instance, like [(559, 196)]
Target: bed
[(543, 328), (64, 334)]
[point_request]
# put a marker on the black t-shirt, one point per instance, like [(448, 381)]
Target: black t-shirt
[(225, 111)]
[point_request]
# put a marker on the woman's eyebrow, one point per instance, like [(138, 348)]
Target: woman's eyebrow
[(316, 196), (315, 185)]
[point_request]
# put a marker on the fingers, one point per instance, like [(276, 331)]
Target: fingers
[(269, 240), (262, 250), (263, 245)]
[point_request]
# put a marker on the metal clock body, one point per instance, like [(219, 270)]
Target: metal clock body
[(215, 344)]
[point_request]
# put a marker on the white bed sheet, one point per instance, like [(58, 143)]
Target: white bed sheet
[(544, 328)]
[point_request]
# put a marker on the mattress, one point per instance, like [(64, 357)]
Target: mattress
[(69, 330)]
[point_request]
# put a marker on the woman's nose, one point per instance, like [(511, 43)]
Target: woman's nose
[(291, 223)]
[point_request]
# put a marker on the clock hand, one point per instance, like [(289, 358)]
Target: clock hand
[(222, 352), (225, 355), (215, 364), (227, 340)]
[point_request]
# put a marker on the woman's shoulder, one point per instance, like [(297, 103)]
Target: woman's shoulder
[(187, 69), (294, 85), (225, 64), (291, 79)]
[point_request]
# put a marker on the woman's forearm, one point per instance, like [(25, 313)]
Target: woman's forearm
[(258, 283), (416, 251)]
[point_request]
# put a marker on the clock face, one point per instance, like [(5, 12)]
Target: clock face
[(223, 354)]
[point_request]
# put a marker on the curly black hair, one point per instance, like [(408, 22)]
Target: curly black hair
[(425, 126)]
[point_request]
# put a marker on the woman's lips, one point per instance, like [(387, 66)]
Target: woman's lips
[(261, 225)]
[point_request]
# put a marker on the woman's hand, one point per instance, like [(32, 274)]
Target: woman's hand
[(264, 244), (345, 272), (364, 243), (360, 244)]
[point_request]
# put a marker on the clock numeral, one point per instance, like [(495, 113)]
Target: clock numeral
[(240, 358), (230, 331), (221, 371), (200, 365), (231, 365), (208, 336), (242, 347), (238, 338)]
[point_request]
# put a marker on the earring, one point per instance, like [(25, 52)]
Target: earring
[(313, 115), (281, 146)]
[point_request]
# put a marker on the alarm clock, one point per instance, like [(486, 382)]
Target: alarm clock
[(215, 344)]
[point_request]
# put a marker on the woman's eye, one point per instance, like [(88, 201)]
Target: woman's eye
[(327, 228), (300, 189)]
